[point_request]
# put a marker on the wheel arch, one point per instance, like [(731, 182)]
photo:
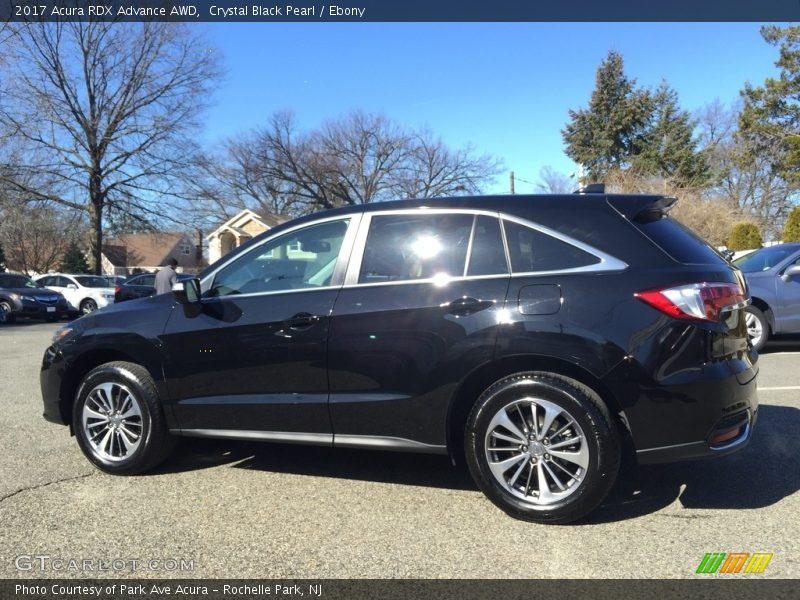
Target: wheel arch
[(483, 376), (764, 307), (87, 361)]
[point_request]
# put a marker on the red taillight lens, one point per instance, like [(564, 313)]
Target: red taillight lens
[(116, 290), (705, 301)]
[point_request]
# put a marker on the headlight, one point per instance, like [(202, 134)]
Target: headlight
[(62, 333)]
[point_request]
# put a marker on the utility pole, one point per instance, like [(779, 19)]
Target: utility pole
[(511, 181)]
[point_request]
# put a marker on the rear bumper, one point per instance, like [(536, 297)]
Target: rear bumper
[(741, 429)]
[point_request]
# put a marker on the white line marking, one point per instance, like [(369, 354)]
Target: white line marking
[(778, 388), (779, 353)]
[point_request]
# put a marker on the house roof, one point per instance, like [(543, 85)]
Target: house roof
[(141, 249), (268, 220)]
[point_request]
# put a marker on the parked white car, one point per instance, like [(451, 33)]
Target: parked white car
[(84, 293)]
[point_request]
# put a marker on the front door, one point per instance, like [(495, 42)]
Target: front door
[(251, 359), (787, 308)]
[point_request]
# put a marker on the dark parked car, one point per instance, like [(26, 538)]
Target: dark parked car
[(773, 277), (20, 296), (530, 335), (141, 286)]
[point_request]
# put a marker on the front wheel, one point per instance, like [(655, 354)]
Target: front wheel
[(542, 447), (118, 420), (757, 327), (6, 316)]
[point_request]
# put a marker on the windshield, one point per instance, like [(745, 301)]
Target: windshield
[(17, 281), (764, 259), (92, 282)]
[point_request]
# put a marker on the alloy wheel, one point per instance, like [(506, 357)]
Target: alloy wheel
[(537, 451), (112, 422), (755, 328)]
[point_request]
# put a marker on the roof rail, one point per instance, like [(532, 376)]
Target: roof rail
[(592, 188)]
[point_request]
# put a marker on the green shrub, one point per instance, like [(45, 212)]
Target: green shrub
[(744, 236), (791, 231)]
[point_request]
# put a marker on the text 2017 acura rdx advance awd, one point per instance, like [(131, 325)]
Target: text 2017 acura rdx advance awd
[(528, 334)]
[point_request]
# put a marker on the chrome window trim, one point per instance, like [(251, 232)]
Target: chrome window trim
[(607, 262), (354, 220), (469, 245)]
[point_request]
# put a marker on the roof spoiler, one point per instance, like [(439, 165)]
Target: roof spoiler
[(642, 209)]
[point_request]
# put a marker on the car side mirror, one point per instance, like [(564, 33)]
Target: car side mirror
[(72, 286), (187, 291), (792, 271)]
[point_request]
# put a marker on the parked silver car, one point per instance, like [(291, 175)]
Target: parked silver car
[(773, 277)]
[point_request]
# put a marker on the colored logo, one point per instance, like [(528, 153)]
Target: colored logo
[(736, 562)]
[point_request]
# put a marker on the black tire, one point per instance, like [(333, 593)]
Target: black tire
[(88, 306), (757, 321), (6, 316), (154, 442), (589, 423)]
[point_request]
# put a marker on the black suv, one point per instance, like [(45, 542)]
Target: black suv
[(530, 335)]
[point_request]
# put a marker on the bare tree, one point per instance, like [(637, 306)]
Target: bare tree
[(356, 159), (744, 169), (105, 110), (35, 237), (553, 182), (434, 170)]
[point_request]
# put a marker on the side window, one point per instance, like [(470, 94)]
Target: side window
[(409, 247), (149, 279), (63, 282), (532, 251), (488, 256), (46, 281), (302, 259)]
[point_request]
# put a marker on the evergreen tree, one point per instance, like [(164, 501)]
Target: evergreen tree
[(744, 236), (605, 135), (772, 111), (74, 260), (791, 231), (2, 259), (668, 147)]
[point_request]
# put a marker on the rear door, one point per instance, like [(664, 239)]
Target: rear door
[(420, 310), (787, 309)]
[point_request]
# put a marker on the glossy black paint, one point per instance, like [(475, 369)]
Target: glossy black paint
[(403, 361)]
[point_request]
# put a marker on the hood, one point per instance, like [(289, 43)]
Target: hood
[(42, 294)]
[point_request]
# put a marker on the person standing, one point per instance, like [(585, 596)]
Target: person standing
[(166, 277)]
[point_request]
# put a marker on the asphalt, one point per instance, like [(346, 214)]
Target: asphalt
[(228, 509)]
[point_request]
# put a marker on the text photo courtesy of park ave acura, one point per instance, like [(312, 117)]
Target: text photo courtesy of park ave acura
[(292, 306)]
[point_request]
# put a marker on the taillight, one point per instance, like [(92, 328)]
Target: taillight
[(117, 290), (705, 301)]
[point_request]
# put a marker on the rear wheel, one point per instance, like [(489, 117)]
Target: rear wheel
[(542, 447), (757, 327), (118, 420), (88, 306)]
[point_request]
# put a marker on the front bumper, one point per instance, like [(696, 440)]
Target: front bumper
[(50, 378), (37, 310)]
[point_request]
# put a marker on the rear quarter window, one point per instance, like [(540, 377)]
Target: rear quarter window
[(679, 242)]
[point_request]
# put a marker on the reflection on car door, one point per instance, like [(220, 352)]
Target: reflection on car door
[(420, 309), (251, 359)]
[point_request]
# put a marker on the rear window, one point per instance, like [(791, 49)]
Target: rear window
[(682, 244)]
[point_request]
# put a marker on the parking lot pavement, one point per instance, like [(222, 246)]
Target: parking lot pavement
[(231, 509)]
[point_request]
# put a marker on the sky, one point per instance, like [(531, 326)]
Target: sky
[(503, 88)]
